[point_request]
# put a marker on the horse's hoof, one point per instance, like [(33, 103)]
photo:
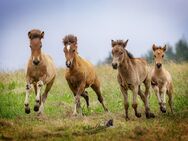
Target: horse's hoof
[(36, 108), (150, 115), (27, 110), (163, 110), (106, 110), (127, 118), (138, 115)]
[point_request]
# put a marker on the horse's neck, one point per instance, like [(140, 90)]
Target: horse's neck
[(126, 66), (76, 63)]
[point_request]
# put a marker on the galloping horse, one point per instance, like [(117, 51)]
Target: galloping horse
[(161, 79), (40, 71), (132, 72), (79, 74)]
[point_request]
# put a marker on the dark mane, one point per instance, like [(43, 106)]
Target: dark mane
[(130, 55), (70, 39), (35, 33), (118, 42)]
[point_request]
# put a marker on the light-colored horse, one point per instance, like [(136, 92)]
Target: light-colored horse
[(132, 72), (161, 79), (40, 71), (79, 74)]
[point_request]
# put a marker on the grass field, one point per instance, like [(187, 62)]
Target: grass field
[(59, 124)]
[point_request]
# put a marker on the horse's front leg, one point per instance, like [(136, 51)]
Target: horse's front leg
[(134, 105), (163, 99), (38, 96), (77, 109), (26, 103), (126, 103)]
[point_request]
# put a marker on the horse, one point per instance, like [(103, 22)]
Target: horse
[(132, 72), (40, 71), (161, 79), (80, 74)]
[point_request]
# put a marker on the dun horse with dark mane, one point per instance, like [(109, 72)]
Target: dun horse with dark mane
[(132, 72), (40, 71), (80, 74)]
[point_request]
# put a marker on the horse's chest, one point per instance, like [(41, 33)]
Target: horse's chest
[(158, 81), (36, 73)]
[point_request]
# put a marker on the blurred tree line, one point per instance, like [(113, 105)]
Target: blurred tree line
[(178, 53)]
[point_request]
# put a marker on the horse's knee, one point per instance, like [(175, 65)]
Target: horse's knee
[(134, 105)]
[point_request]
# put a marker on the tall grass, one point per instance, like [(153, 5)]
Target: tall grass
[(59, 124)]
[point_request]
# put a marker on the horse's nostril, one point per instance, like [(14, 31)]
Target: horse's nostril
[(36, 62), (159, 65), (114, 65)]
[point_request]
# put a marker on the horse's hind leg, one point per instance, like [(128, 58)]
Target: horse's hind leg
[(170, 100), (147, 93), (96, 88), (45, 94), (142, 96), (86, 97)]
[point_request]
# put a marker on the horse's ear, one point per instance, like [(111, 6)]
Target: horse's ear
[(154, 47), (112, 43), (29, 35), (164, 48), (42, 34), (125, 43)]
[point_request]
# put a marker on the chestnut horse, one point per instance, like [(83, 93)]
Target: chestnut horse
[(132, 72), (40, 71), (161, 79), (79, 74)]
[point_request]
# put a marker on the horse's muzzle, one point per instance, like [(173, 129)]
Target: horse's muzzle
[(158, 65), (36, 62), (114, 65), (68, 64)]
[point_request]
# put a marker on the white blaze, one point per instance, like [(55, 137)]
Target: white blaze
[(68, 47)]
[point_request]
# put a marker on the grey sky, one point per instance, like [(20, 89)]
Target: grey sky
[(95, 23)]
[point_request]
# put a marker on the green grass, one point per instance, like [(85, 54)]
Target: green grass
[(59, 124)]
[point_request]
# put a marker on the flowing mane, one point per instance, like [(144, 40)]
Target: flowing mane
[(70, 39), (130, 55)]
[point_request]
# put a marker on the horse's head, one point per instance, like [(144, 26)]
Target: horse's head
[(158, 53), (118, 52), (70, 49), (35, 37)]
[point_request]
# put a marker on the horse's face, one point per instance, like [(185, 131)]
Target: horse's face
[(35, 37), (158, 53), (70, 51), (118, 52)]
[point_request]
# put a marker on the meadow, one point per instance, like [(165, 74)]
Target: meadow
[(58, 123)]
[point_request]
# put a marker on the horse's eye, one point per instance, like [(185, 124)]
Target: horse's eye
[(73, 50), (154, 56), (162, 55), (121, 53)]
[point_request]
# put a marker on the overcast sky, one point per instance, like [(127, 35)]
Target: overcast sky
[(94, 22)]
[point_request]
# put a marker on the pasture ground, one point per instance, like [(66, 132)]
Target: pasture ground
[(58, 123)]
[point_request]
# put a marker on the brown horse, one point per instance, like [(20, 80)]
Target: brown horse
[(40, 71), (132, 72), (80, 74), (161, 79)]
